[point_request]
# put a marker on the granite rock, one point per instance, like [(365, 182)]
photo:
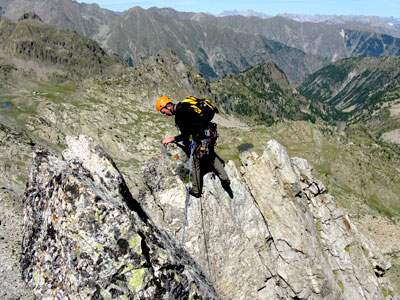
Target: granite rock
[(86, 237), (281, 236)]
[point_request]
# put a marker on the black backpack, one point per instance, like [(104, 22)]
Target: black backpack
[(208, 136), (203, 107)]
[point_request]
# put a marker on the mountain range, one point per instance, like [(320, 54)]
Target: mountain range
[(331, 42), (206, 47), (342, 116), (388, 25), (205, 42)]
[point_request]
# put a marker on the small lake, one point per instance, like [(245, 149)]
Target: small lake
[(245, 147), (5, 105)]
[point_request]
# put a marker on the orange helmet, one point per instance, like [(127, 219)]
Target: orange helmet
[(162, 102)]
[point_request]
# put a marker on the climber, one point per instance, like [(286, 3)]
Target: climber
[(193, 118)]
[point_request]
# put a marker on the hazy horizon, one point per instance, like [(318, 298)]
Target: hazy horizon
[(381, 8)]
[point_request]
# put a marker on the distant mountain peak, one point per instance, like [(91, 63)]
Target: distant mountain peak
[(246, 13)]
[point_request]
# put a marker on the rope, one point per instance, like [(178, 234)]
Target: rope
[(205, 238), (191, 149)]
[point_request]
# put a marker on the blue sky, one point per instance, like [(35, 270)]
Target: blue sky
[(384, 8)]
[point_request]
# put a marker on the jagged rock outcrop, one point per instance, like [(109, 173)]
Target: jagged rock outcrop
[(30, 15), (85, 237), (280, 237)]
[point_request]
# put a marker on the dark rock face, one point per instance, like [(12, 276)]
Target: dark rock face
[(29, 15), (85, 237)]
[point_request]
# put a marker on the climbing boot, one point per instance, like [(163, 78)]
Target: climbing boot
[(194, 194), (226, 184)]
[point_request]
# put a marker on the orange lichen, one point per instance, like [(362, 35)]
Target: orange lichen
[(346, 223)]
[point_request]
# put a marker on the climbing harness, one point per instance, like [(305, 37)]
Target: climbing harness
[(191, 149), (206, 140), (201, 143)]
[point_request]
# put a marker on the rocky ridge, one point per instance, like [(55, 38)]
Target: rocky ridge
[(85, 237), (280, 237), (118, 111)]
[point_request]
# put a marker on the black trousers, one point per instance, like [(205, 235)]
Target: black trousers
[(203, 165)]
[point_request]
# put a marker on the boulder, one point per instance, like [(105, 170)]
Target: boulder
[(86, 237)]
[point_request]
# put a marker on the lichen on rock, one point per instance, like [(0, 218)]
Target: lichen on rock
[(85, 237), (280, 236)]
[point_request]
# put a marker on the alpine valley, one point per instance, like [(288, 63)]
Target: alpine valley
[(92, 206)]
